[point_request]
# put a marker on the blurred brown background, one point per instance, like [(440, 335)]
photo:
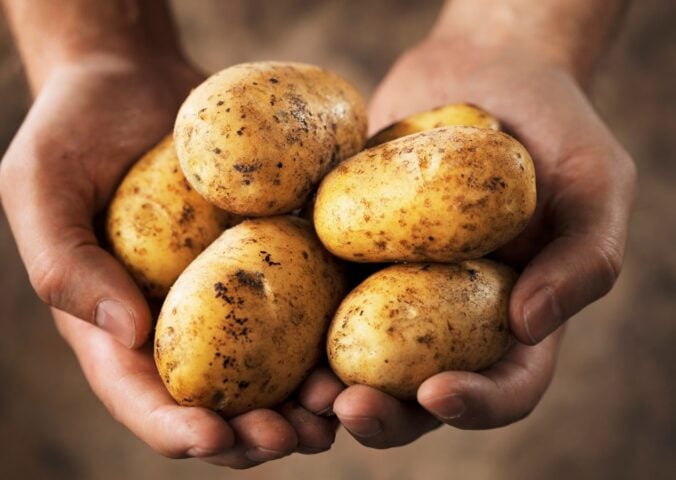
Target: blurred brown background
[(610, 411)]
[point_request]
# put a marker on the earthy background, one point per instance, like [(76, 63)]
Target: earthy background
[(610, 410)]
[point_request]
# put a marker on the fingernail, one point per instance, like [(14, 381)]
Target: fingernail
[(450, 407), (364, 427), (541, 314), (199, 452), (310, 450), (327, 412), (115, 319), (259, 454)]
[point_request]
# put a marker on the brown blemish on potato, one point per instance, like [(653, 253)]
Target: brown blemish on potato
[(427, 339), (267, 258), (254, 280), (222, 292), (187, 214), (246, 168)]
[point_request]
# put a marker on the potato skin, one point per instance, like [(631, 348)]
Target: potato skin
[(444, 195), (256, 138), (157, 224), (408, 322), (458, 114), (245, 323)]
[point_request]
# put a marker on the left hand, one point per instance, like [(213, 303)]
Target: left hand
[(572, 249)]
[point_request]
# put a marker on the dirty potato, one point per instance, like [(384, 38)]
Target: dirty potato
[(246, 321), (458, 114), (408, 322), (443, 195), (256, 138), (157, 224)]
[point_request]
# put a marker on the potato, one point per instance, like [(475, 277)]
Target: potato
[(459, 114), (408, 322), (157, 224), (256, 138), (246, 321), (443, 195)]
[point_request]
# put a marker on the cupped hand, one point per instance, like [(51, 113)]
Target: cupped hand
[(90, 121), (570, 254), (127, 383)]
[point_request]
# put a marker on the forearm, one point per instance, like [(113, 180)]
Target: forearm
[(50, 33), (570, 33)]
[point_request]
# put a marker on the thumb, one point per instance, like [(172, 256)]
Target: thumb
[(584, 260), (50, 216)]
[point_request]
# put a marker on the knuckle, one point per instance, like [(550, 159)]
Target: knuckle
[(156, 418), (608, 257), (51, 270), (628, 171), (47, 274)]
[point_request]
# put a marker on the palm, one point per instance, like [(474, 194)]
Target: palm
[(86, 130), (99, 123), (571, 250)]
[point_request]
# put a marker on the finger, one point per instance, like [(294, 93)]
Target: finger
[(50, 213), (315, 434), (506, 392), (584, 260), (128, 384), (262, 435), (379, 420), (319, 391)]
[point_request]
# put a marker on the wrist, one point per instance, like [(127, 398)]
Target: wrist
[(135, 30), (166, 66), (550, 33)]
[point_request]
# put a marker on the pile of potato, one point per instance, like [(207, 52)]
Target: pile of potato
[(210, 222)]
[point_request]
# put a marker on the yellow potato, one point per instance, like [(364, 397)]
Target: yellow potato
[(246, 321), (256, 138), (443, 195), (157, 224), (459, 114), (407, 323)]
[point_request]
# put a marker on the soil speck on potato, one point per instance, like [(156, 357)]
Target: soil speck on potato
[(251, 279)]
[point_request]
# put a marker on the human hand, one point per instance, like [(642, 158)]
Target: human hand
[(571, 252), (90, 122), (127, 383)]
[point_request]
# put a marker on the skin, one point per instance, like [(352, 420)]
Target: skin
[(528, 68), (104, 95), (443, 195), (256, 138), (157, 224), (447, 115), (525, 63), (408, 322), (245, 323)]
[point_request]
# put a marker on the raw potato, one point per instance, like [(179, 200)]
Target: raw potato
[(444, 195), (459, 114), (157, 224), (246, 322), (256, 138), (408, 322)]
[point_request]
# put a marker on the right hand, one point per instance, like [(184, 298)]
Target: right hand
[(90, 121)]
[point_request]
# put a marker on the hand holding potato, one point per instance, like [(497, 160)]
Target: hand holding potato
[(81, 136), (571, 251)]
